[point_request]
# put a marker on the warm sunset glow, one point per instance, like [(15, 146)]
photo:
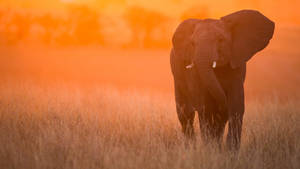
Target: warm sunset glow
[(88, 84), (123, 22), (135, 25), (67, 1)]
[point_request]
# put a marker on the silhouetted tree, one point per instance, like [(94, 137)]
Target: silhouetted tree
[(17, 27), (85, 24), (143, 23), (50, 25), (65, 35)]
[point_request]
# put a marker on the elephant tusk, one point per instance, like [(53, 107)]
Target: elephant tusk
[(189, 66), (214, 64)]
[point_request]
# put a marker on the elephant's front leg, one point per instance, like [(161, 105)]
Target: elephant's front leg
[(205, 120), (186, 116), (185, 112), (236, 113), (212, 122)]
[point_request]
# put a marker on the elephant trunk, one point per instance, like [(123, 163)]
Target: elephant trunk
[(205, 66)]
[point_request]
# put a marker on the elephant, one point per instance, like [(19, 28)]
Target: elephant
[(208, 63)]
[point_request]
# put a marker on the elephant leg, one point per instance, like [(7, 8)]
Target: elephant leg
[(236, 113), (219, 122), (186, 117), (205, 120), (185, 112), (213, 121)]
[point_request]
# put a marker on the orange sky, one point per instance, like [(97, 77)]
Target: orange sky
[(280, 10), (100, 64)]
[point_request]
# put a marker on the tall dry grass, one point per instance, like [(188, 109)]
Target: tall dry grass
[(62, 126)]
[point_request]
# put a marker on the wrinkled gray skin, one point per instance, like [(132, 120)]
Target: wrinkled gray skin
[(217, 94)]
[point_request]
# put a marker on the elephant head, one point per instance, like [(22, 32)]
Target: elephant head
[(231, 40)]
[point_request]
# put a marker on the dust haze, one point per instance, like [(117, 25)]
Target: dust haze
[(90, 86)]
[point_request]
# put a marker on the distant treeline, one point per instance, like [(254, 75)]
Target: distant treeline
[(136, 27)]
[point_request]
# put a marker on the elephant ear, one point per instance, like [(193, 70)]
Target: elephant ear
[(181, 38), (251, 32)]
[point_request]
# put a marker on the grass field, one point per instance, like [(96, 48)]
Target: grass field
[(89, 107), (68, 127)]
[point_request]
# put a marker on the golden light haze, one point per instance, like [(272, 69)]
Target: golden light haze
[(88, 84), (280, 10), (126, 42)]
